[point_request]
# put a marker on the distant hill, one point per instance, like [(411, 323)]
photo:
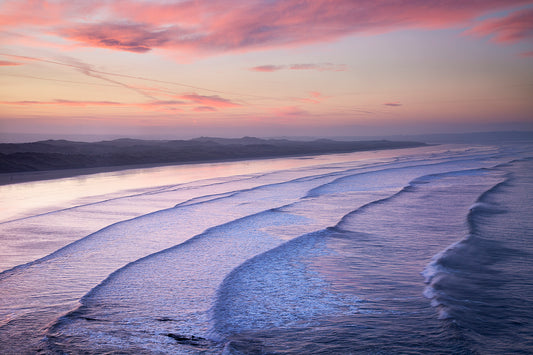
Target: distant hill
[(62, 154)]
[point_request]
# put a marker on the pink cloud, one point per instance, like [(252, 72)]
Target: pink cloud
[(77, 103), (527, 54), (513, 28), (222, 26), (131, 37), (215, 26), (392, 104), (5, 63)]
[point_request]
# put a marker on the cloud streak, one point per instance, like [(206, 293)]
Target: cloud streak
[(204, 109), (89, 70), (62, 102), (6, 63), (88, 103), (304, 66), (217, 26), (210, 101), (268, 68), (319, 67)]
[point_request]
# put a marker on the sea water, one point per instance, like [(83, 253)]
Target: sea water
[(423, 250)]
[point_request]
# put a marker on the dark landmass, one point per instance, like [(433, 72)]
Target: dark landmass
[(495, 137), (54, 155)]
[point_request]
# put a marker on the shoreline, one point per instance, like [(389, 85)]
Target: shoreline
[(33, 176), (43, 175)]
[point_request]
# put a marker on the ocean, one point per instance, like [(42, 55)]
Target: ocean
[(411, 251)]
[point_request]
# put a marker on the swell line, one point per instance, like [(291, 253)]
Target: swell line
[(238, 306), (408, 165), (448, 262)]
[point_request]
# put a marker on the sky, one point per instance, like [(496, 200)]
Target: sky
[(266, 68)]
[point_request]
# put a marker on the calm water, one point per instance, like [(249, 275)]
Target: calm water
[(424, 250)]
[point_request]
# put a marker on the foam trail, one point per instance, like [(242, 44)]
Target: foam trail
[(24, 198), (34, 237), (276, 286), (408, 171), (280, 200), (365, 274), (28, 239), (482, 282), (186, 276), (73, 270), (40, 235)]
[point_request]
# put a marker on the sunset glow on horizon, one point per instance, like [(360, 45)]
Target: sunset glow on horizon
[(187, 68)]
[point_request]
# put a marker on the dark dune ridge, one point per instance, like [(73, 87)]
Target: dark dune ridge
[(52, 155)]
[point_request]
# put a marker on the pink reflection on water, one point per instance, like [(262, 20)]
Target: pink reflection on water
[(31, 198)]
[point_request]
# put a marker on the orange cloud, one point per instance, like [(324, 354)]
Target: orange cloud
[(5, 63)]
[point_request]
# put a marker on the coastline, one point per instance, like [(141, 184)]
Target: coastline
[(33, 176), (55, 159)]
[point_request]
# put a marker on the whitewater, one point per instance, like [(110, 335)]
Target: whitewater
[(419, 250)]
